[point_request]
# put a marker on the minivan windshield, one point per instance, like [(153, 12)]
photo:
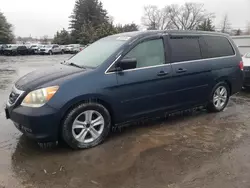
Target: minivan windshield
[(98, 52)]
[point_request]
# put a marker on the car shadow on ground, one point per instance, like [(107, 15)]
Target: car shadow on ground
[(26, 145)]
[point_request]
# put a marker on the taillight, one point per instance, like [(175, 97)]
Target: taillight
[(241, 65)]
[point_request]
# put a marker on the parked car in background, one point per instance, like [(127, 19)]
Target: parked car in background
[(82, 47), (15, 49), (65, 49), (33, 49), (246, 61), (2, 48), (22, 50), (74, 48), (10, 49), (51, 49), (124, 78)]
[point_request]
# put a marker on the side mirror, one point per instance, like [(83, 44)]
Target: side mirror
[(126, 64)]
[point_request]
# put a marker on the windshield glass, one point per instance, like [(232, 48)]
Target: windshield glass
[(95, 54)]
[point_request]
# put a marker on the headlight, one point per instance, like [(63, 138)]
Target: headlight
[(39, 97)]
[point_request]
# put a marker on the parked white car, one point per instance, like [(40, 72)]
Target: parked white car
[(246, 59), (74, 48), (51, 49)]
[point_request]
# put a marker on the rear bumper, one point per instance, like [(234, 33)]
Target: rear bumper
[(246, 82), (237, 83), (41, 124)]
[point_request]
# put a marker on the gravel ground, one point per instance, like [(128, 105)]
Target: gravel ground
[(197, 149)]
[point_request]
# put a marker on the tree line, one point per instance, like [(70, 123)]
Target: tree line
[(6, 34), (89, 22)]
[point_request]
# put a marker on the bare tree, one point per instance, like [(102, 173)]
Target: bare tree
[(44, 39), (155, 18), (225, 25), (185, 17), (188, 16)]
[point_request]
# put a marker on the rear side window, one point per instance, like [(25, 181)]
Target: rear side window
[(215, 46), (185, 48)]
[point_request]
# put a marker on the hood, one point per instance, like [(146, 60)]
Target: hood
[(40, 77)]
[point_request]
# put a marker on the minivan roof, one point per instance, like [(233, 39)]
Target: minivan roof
[(153, 32)]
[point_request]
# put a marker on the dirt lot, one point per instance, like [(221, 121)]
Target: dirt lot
[(195, 150)]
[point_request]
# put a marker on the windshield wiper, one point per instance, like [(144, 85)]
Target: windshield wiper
[(75, 65)]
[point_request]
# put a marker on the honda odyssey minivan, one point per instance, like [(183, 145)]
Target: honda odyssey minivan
[(123, 78)]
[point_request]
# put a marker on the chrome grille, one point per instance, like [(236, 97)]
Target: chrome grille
[(14, 95)]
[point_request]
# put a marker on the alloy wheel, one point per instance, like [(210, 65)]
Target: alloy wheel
[(88, 126), (220, 97)]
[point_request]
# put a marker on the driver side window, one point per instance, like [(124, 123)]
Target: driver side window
[(148, 53)]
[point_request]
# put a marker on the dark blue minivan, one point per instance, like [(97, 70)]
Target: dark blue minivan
[(122, 78)]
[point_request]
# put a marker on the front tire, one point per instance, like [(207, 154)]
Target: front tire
[(50, 53), (219, 97), (86, 126)]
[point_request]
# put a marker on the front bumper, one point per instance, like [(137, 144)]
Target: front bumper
[(43, 52), (41, 124)]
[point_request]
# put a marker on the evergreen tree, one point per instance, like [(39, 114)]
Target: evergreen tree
[(206, 25), (87, 14), (62, 37), (90, 34), (6, 35), (127, 28)]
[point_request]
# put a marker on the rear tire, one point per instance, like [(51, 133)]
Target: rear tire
[(219, 97), (50, 53), (80, 128)]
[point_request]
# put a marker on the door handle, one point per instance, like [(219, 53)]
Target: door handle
[(162, 73), (181, 70)]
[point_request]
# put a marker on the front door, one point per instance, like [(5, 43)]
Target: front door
[(146, 88)]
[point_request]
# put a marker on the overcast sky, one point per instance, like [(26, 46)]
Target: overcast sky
[(44, 17)]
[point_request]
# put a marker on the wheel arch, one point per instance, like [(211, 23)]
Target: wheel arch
[(227, 81), (87, 99)]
